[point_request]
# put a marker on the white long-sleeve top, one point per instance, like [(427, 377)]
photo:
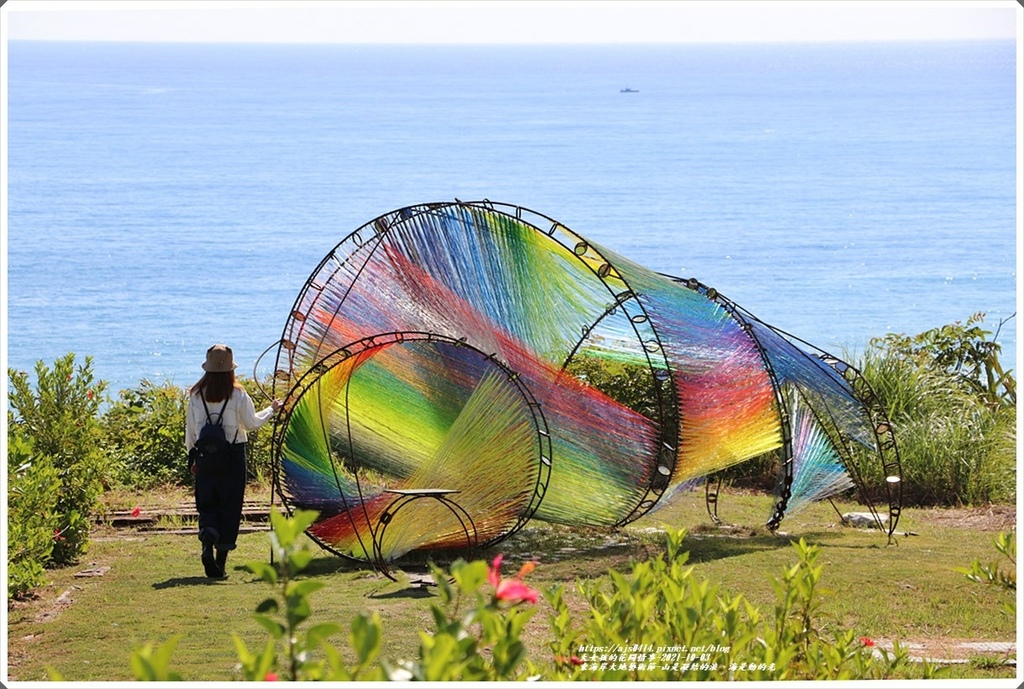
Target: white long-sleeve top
[(240, 415)]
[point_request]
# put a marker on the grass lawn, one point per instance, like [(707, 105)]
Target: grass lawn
[(85, 626)]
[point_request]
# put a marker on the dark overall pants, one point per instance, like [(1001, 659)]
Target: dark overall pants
[(219, 498)]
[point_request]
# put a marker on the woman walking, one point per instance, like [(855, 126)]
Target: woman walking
[(218, 399)]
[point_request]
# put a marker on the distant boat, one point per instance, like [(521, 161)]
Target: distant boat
[(629, 90)]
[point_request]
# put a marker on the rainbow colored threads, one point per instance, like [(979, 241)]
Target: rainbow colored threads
[(453, 370)]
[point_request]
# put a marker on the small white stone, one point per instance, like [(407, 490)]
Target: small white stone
[(864, 520)]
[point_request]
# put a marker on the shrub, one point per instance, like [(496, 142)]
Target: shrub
[(291, 605), (964, 354), (477, 629), (32, 487), (630, 384), (59, 415), (476, 634), (145, 436)]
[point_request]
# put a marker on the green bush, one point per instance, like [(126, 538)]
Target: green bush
[(32, 488), (964, 353), (630, 384), (952, 410), (145, 436), (59, 414), (282, 615)]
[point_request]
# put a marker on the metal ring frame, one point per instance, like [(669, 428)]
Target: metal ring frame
[(404, 499), (336, 357)]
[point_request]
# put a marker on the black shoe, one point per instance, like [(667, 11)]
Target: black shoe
[(221, 563), (209, 564)]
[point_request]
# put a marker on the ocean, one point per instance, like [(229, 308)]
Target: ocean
[(165, 197)]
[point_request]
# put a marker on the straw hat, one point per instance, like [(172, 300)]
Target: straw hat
[(219, 359)]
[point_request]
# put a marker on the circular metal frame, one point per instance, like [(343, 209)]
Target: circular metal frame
[(340, 355)]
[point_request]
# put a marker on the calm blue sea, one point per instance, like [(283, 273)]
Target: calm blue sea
[(164, 197)]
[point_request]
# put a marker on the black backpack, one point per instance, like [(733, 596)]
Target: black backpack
[(212, 446)]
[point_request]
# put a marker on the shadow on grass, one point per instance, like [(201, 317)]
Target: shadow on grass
[(408, 592), (707, 547), (333, 565), (186, 581)]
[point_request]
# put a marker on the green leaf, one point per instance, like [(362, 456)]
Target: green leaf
[(303, 519), (275, 628), (268, 605), (365, 638), (162, 654), (316, 634), (142, 669), (299, 560), (298, 611), (303, 588), (266, 660), (245, 656), (264, 571), (282, 527)]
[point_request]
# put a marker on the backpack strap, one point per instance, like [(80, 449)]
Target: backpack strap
[(220, 416)]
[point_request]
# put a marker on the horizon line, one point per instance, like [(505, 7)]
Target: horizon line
[(723, 41)]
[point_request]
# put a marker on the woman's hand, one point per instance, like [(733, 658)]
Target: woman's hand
[(276, 405)]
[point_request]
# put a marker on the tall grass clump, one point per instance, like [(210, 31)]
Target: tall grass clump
[(952, 409)]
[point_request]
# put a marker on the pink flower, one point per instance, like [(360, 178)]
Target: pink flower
[(867, 641), (511, 590), (494, 571), (515, 591), (58, 535), (136, 511), (270, 677)]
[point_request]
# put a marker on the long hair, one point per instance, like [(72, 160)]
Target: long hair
[(215, 387)]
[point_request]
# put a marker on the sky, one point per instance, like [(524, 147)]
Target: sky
[(515, 21)]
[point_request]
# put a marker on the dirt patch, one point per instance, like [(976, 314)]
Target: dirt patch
[(986, 518), (63, 601)]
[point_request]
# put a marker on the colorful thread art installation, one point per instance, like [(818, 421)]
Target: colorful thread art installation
[(488, 357)]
